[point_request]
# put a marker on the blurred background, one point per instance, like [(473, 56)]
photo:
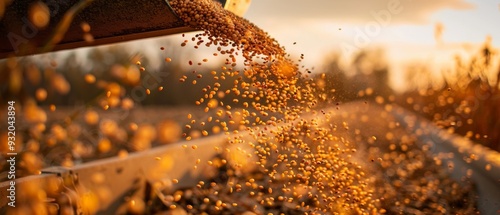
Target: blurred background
[(438, 59)]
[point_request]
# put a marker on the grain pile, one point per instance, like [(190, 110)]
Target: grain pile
[(303, 166), (226, 30)]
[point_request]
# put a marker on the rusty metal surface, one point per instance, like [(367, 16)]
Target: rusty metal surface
[(110, 22)]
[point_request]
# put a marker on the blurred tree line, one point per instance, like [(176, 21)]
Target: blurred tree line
[(468, 101), (367, 77), (85, 80)]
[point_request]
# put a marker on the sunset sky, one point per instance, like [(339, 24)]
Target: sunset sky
[(406, 29), (324, 25)]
